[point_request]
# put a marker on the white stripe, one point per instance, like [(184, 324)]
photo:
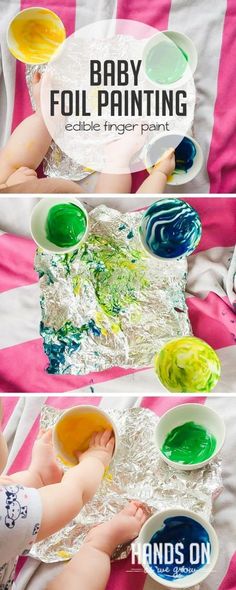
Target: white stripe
[(203, 22), (27, 410), (20, 315), (208, 271), (225, 506), (88, 11), (7, 71)]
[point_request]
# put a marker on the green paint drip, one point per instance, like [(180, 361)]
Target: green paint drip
[(65, 225), (189, 444), (166, 63)]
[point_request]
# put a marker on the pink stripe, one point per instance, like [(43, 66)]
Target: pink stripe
[(222, 157), (229, 581), (29, 375), (156, 15), (213, 320), (160, 405), (125, 577), (16, 262), (9, 404), (218, 217), (66, 11)]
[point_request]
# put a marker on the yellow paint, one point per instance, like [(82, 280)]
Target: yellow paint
[(115, 328), (74, 431), (107, 475), (64, 554), (35, 35)]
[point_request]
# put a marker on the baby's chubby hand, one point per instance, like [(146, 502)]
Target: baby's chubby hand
[(101, 447)]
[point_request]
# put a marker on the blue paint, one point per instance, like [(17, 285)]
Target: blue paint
[(58, 344), (170, 228), (130, 235), (185, 152), (179, 529)]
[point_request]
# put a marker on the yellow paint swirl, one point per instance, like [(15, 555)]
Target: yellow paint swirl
[(35, 35), (187, 365)]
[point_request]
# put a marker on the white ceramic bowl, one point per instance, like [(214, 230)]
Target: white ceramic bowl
[(78, 411), (182, 42), (181, 177), (38, 223), (155, 523), (27, 16), (197, 413)]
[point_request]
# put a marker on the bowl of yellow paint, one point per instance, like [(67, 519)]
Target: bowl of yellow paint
[(189, 436), (34, 35), (73, 431)]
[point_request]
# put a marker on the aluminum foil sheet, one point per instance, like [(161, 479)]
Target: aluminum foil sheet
[(137, 473), (109, 303)]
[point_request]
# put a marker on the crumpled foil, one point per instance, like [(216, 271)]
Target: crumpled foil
[(109, 303), (137, 473)]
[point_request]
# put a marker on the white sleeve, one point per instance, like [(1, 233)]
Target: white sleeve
[(20, 518)]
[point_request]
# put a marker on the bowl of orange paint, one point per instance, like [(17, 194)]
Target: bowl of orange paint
[(34, 35), (73, 430)]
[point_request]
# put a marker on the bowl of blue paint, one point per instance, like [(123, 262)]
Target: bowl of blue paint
[(169, 58), (59, 225), (189, 436), (188, 157), (177, 548), (170, 229)]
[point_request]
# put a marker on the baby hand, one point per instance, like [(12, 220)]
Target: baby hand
[(23, 174), (166, 164), (101, 446)]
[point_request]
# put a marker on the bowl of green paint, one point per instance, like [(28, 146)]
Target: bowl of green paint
[(189, 436), (59, 225), (169, 57)]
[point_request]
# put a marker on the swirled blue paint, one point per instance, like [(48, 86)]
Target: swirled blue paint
[(170, 228), (179, 530)]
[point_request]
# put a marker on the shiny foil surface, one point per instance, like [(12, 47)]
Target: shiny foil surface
[(136, 473), (109, 303)]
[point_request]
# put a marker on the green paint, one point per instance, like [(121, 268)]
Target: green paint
[(115, 272), (166, 63), (189, 444), (65, 225)]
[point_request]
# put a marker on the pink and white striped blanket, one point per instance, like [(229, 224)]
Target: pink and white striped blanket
[(211, 25), (21, 425), (210, 296)]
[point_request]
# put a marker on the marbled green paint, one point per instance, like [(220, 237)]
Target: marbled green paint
[(65, 225), (189, 443)]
